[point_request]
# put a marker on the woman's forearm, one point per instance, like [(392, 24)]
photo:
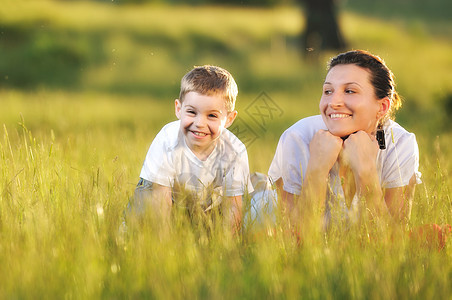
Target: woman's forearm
[(314, 188), (370, 193)]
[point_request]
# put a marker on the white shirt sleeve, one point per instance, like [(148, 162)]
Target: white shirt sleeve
[(158, 166), (401, 161), (290, 161)]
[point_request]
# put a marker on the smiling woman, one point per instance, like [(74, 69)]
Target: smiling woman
[(349, 103), (332, 164)]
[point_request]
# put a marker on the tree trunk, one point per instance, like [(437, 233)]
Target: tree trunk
[(322, 29)]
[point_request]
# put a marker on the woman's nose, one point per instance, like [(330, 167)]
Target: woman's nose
[(336, 100)]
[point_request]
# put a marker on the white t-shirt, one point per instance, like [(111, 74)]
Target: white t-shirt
[(170, 162), (395, 165)]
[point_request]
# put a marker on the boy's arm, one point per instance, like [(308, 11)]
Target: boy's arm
[(153, 197), (161, 200), (233, 212)]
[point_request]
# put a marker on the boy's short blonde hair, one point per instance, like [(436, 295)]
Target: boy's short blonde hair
[(210, 80)]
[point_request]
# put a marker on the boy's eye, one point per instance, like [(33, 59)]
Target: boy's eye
[(213, 116), (192, 112)]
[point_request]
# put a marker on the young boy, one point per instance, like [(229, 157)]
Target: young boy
[(196, 162)]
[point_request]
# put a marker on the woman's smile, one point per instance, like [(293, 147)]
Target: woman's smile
[(348, 102)]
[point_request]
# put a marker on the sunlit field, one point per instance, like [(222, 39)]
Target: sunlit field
[(85, 87)]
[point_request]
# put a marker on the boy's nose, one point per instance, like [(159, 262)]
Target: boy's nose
[(200, 121)]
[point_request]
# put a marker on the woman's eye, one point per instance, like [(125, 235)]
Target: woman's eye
[(327, 92), (349, 91)]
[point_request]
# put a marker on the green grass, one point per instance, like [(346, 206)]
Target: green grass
[(76, 130)]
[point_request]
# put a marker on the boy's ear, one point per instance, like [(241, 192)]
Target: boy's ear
[(177, 108), (230, 118)]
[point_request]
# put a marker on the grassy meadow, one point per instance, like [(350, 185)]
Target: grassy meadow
[(85, 87)]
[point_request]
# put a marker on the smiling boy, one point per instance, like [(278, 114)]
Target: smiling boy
[(196, 162)]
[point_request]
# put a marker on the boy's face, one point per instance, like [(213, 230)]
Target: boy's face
[(203, 118)]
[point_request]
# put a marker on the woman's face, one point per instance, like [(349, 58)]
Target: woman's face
[(348, 102)]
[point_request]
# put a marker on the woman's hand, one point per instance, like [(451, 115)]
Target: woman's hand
[(360, 153), (324, 149)]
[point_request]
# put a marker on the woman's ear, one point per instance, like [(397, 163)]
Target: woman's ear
[(385, 105), (177, 107), (230, 118)]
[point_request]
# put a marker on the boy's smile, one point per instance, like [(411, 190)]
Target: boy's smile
[(203, 118)]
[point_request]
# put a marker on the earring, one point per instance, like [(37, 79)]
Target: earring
[(381, 137)]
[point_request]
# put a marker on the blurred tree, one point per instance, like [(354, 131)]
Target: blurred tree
[(201, 2), (322, 29), (247, 2)]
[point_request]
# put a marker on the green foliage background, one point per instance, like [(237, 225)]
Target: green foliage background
[(84, 88)]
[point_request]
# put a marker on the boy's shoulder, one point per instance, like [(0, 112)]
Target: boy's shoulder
[(232, 143), (169, 135)]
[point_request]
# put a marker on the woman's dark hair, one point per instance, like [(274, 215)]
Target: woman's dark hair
[(381, 76)]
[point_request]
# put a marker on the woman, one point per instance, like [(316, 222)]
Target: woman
[(332, 164)]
